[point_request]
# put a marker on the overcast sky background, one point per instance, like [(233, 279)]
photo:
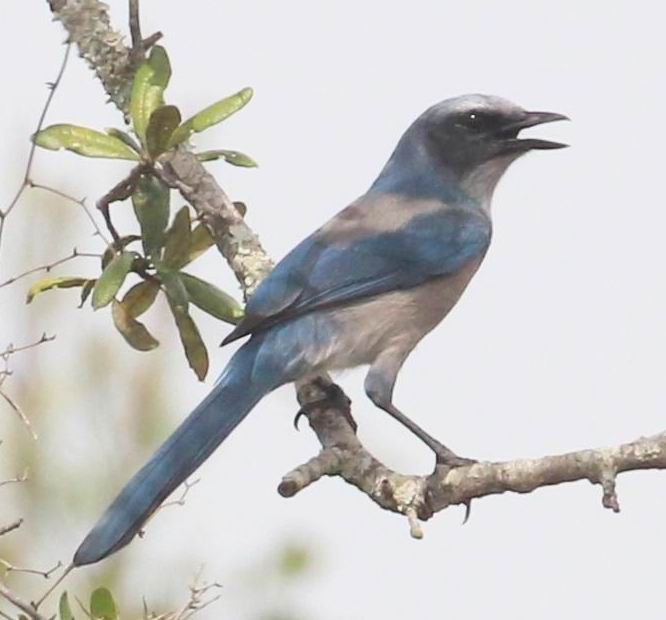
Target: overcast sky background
[(557, 345)]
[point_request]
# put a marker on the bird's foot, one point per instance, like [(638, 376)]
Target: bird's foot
[(444, 457), (450, 460), (333, 397)]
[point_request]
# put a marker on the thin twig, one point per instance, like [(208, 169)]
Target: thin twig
[(31, 154), (11, 349), (6, 616), (11, 527), (48, 267), (79, 201), (135, 29), (10, 568), (16, 479), (197, 600), (6, 372), (187, 485), (18, 411), (119, 192), (57, 582), (19, 603)]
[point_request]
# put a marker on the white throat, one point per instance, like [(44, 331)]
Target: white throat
[(480, 183)]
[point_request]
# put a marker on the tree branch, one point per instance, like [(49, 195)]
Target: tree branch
[(342, 454)]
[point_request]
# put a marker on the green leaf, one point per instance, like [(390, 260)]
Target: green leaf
[(46, 284), (83, 141), (151, 207), (86, 290), (102, 605), (195, 349), (175, 289), (178, 241), (64, 608), (211, 299), (163, 122), (201, 240), (150, 81), (235, 158), (134, 333), (111, 280), (124, 137), (140, 297), (211, 115)]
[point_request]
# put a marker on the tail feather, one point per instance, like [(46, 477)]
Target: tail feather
[(184, 451)]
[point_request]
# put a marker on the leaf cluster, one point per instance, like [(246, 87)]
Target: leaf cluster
[(167, 243)]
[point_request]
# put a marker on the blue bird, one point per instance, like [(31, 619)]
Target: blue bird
[(362, 290)]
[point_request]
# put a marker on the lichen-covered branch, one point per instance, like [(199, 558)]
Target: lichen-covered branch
[(342, 454), (236, 241), (88, 26), (422, 496)]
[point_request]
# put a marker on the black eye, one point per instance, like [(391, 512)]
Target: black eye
[(473, 121)]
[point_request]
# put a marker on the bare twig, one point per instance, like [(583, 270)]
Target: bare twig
[(11, 349), (10, 568), (197, 600), (187, 485), (48, 267), (6, 372), (31, 154), (26, 608), (119, 192), (16, 479), (79, 201), (11, 527), (135, 27), (54, 585)]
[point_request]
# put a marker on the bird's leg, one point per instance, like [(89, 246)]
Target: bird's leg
[(379, 386), (333, 397), (444, 456)]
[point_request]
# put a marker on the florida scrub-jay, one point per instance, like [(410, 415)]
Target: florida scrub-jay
[(362, 290)]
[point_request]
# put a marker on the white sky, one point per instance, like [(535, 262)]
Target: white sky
[(557, 345)]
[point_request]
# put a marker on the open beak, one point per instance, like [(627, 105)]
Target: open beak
[(531, 119)]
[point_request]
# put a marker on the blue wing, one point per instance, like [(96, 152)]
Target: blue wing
[(341, 264)]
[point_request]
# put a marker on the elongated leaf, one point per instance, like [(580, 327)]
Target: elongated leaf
[(151, 207), (195, 349), (178, 240), (135, 333), (211, 299), (175, 289), (200, 242), (46, 284), (236, 158), (150, 81), (86, 289), (64, 608), (211, 115), (124, 137), (102, 605), (163, 122), (140, 297), (111, 280), (83, 141)]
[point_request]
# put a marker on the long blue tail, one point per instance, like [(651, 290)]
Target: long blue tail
[(237, 392)]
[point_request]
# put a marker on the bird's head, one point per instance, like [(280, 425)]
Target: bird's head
[(462, 144), (469, 131)]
